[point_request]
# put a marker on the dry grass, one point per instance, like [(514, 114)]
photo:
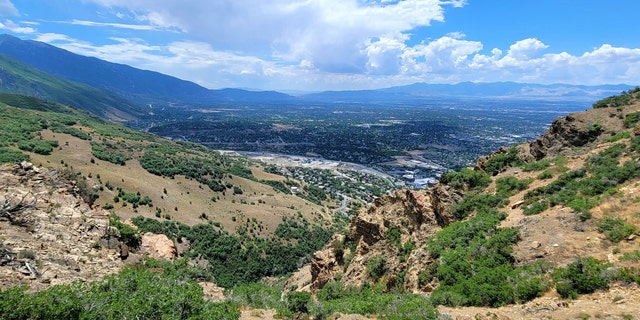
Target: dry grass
[(190, 198)]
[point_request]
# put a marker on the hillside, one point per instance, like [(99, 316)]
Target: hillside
[(549, 226), (141, 87), (544, 229), (19, 78)]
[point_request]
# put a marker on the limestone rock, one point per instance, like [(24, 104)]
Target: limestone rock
[(411, 216), (157, 246)]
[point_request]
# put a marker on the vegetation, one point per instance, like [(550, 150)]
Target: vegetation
[(466, 179), (620, 100), (239, 259), (137, 292), (580, 189), (616, 229), (586, 275), (107, 151), (502, 160)]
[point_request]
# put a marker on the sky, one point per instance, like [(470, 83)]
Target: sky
[(315, 45)]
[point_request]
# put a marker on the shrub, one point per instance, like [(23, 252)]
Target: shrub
[(12, 156), (510, 185), (466, 179), (536, 166), (500, 161), (631, 119), (544, 175), (298, 301), (586, 275), (127, 234), (535, 208), (615, 229), (376, 267)]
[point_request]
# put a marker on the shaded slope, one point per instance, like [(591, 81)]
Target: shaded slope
[(17, 77), (140, 86)]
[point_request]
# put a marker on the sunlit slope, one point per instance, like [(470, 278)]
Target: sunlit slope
[(132, 173)]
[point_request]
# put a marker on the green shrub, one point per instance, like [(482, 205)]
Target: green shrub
[(535, 208), (631, 256), (536, 166), (44, 147), (615, 229), (12, 156), (297, 301), (586, 275), (466, 179), (500, 161), (127, 234), (631, 119), (544, 175), (478, 202), (134, 293), (376, 267), (619, 136), (511, 185), (392, 235)]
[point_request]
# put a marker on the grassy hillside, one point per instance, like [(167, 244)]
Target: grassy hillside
[(184, 182), (17, 77)]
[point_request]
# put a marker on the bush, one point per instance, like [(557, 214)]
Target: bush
[(12, 156), (631, 119), (615, 229), (586, 275), (535, 208), (298, 301), (500, 161), (466, 179), (510, 185), (536, 166), (134, 293), (376, 267), (127, 234)]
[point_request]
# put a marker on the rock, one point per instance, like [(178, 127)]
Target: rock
[(412, 216), (157, 246), (325, 265), (124, 251), (535, 245), (60, 237), (517, 204)]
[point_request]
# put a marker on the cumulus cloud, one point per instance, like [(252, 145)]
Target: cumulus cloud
[(324, 44), (333, 35)]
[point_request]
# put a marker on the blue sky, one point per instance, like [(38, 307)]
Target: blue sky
[(316, 45)]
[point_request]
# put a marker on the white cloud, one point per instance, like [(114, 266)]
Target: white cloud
[(7, 8), (114, 25), (325, 44), (11, 26), (331, 34)]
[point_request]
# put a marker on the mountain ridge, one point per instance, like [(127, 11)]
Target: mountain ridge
[(145, 87)]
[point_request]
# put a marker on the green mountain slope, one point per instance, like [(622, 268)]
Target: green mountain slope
[(17, 77)]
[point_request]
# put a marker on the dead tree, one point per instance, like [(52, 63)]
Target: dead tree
[(15, 211)]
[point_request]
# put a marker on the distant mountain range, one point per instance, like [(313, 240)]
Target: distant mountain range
[(121, 91)]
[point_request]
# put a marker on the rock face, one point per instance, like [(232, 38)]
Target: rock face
[(577, 130), (48, 234), (157, 246), (385, 230)]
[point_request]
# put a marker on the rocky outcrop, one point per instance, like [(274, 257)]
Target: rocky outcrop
[(53, 236), (577, 130), (157, 246), (386, 229)]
